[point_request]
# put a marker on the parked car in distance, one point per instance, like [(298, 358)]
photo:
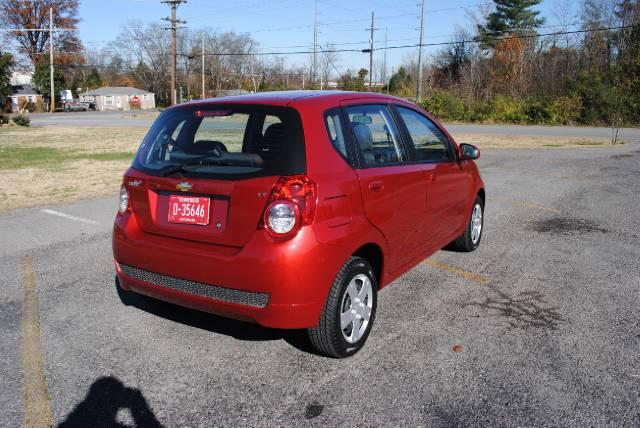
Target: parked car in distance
[(89, 106), (75, 106), (293, 209)]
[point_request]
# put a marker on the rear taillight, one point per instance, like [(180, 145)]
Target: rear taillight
[(123, 201), (291, 205)]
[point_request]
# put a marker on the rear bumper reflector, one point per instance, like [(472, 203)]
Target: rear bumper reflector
[(247, 298)]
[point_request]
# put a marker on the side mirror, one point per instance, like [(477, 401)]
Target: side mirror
[(468, 152)]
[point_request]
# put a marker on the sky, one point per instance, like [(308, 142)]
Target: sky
[(287, 25)]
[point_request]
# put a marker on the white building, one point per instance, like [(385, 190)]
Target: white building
[(119, 98), (20, 78), (22, 97)]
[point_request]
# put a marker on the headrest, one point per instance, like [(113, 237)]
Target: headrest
[(363, 135)]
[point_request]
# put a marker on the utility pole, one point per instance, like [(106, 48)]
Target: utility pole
[(284, 85), (174, 29), (52, 97), (419, 85), (384, 61), (202, 55), (371, 53), (315, 43)]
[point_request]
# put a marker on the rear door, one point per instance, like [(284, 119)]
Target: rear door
[(448, 183), (393, 190), (220, 161)]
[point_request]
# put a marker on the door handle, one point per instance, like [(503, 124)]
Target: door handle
[(431, 177), (376, 186)]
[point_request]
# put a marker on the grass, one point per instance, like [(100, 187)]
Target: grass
[(528, 142), (51, 164), (51, 158)]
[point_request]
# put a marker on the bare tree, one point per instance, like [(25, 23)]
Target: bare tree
[(147, 48)]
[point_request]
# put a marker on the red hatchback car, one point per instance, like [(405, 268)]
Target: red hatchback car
[(293, 209)]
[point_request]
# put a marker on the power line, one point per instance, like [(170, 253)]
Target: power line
[(527, 36), (306, 52)]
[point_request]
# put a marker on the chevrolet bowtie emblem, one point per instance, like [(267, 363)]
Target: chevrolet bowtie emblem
[(184, 186), (135, 183)]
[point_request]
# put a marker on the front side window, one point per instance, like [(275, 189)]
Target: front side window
[(224, 142), (429, 143), (376, 135)]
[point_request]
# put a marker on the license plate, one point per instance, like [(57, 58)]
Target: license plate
[(189, 209)]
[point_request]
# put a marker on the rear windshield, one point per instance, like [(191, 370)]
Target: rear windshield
[(224, 141)]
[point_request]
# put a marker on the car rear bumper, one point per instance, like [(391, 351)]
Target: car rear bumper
[(275, 284)]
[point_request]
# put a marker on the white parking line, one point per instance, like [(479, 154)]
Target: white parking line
[(70, 217)]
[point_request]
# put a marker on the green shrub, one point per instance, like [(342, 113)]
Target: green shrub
[(508, 109), (22, 120), (3, 119), (565, 110), (445, 105), (478, 112), (537, 112)]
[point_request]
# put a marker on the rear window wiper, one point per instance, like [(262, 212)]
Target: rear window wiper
[(228, 159)]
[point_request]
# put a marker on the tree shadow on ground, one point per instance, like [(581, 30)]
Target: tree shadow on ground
[(106, 397), (526, 310), (216, 324)]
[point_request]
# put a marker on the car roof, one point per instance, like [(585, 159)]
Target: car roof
[(296, 96)]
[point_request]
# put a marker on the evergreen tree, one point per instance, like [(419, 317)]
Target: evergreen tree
[(626, 74), (510, 17), (42, 75), (85, 80), (94, 80), (399, 81), (6, 61)]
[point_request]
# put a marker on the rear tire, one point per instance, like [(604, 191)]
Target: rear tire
[(470, 239), (348, 314)]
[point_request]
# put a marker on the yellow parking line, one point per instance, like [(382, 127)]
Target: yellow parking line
[(37, 410), (526, 204), (457, 271)]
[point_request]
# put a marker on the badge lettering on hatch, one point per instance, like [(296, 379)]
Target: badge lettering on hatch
[(184, 186)]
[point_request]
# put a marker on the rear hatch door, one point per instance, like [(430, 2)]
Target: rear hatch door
[(223, 156)]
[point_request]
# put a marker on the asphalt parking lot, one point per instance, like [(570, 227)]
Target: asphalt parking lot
[(540, 326)]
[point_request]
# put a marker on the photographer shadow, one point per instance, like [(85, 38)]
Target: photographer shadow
[(106, 397)]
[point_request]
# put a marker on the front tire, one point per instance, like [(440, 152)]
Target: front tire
[(470, 239), (349, 312)]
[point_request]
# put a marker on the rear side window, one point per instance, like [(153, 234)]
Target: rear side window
[(376, 135), (224, 141), (334, 129), (429, 143)]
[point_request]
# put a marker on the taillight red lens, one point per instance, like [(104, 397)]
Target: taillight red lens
[(292, 193)]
